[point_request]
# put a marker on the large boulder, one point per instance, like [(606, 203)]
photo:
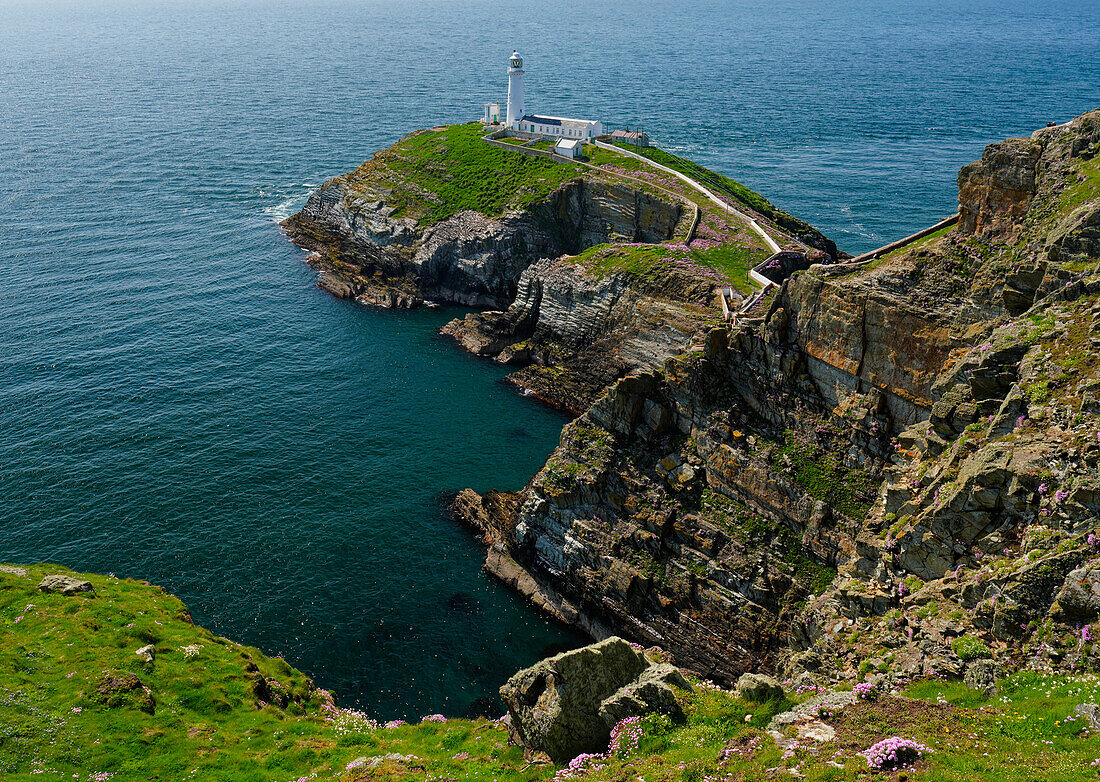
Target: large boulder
[(567, 705), (66, 585), (759, 688)]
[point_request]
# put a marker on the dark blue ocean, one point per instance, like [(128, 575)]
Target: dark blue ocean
[(179, 403)]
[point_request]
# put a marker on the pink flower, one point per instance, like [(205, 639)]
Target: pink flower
[(865, 691), (894, 753)]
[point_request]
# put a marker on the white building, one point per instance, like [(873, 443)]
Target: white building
[(571, 148), (492, 114), (546, 125), (560, 127)]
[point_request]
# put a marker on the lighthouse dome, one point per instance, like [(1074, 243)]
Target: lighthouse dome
[(516, 61)]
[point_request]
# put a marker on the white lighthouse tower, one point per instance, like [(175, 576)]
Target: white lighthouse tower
[(515, 90)]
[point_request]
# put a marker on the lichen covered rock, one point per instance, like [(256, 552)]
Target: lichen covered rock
[(66, 585), (567, 704)]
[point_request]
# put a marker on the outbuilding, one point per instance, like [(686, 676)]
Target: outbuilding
[(636, 137), (571, 148)]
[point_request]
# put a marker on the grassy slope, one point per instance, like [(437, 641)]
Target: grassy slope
[(448, 170), (208, 723), (726, 265)]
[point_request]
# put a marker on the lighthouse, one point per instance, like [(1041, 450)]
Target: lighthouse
[(515, 90)]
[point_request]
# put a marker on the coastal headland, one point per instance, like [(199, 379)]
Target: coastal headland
[(876, 480)]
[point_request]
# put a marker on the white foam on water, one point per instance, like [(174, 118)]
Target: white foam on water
[(287, 205)]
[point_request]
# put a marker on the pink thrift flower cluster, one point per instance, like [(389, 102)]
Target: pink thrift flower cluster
[(579, 765), (625, 737), (649, 176), (894, 753), (433, 718), (865, 691), (395, 724)]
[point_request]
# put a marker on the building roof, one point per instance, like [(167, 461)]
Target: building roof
[(569, 143), (627, 134), (566, 122)]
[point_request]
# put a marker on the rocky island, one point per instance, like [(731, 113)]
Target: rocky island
[(841, 527), (590, 269)]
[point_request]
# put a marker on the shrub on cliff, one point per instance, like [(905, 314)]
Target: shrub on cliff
[(968, 647)]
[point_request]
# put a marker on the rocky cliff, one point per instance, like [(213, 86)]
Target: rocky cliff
[(925, 428)]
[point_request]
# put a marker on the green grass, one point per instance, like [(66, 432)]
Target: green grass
[(1027, 732), (905, 250), (599, 156), (455, 170), (637, 260), (209, 724), (728, 264), (969, 647), (734, 261)]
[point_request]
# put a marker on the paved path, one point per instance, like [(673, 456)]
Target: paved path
[(772, 245)]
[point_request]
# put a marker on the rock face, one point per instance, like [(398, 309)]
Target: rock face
[(983, 675), (569, 332), (364, 250), (66, 585), (608, 325), (567, 705), (923, 428), (996, 191), (1079, 598)]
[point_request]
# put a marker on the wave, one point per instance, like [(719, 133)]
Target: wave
[(287, 204)]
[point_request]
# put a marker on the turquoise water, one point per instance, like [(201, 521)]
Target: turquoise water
[(179, 403)]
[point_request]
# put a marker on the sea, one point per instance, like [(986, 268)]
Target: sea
[(180, 403)]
